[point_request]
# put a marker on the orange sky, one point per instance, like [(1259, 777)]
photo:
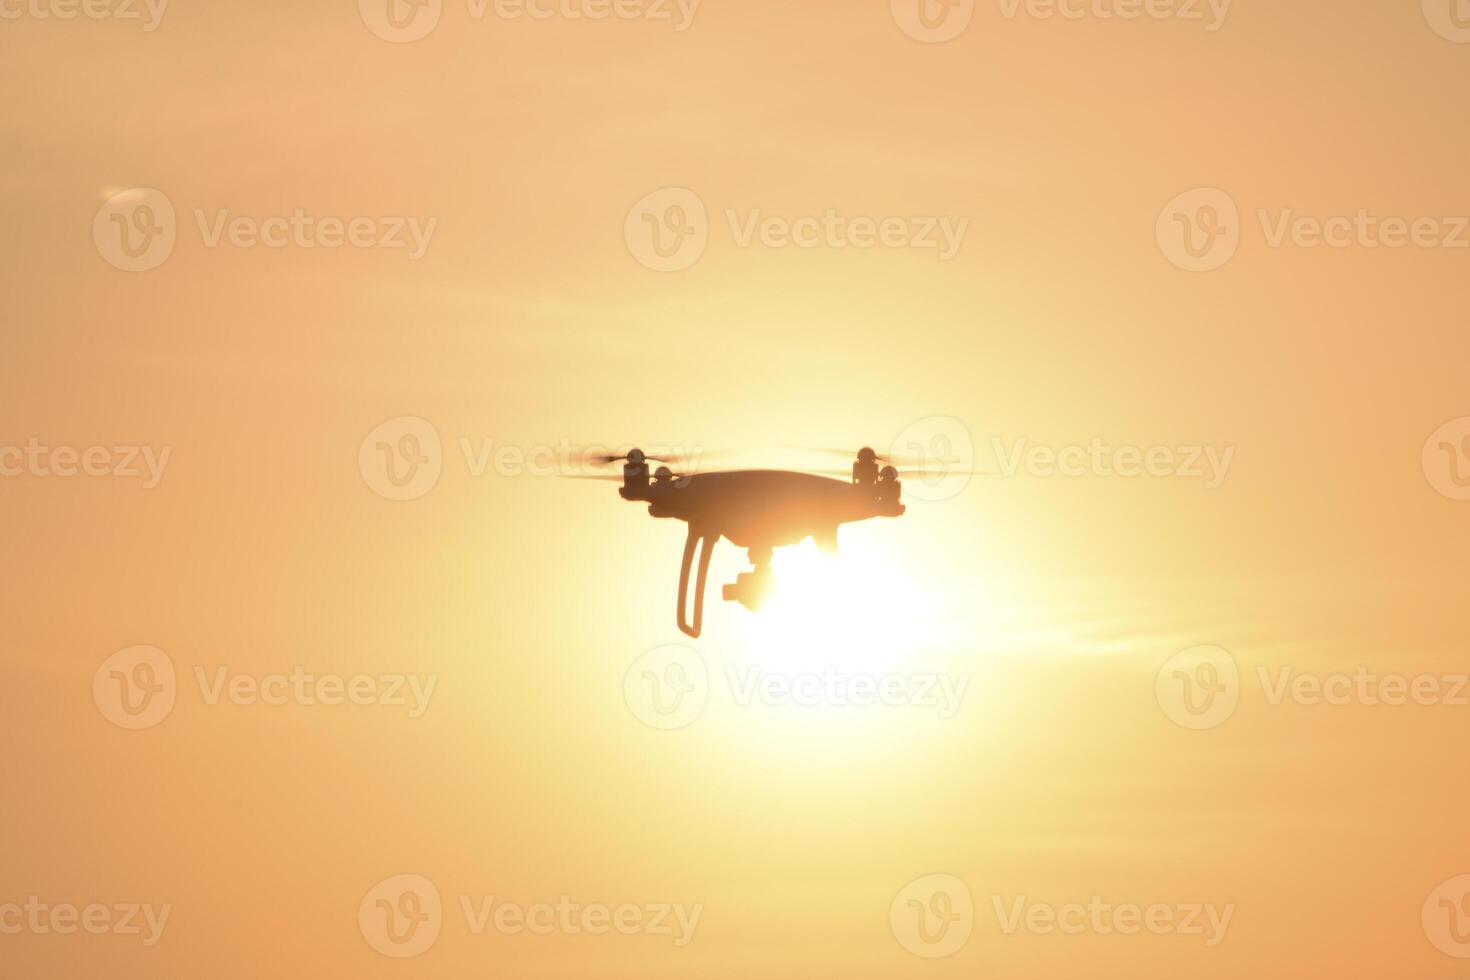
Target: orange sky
[(528, 155)]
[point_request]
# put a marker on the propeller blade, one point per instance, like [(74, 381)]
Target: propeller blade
[(853, 454), (826, 451), (693, 455), (918, 474), (604, 478)]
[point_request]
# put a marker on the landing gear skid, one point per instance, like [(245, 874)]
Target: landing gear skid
[(706, 540), (749, 588)]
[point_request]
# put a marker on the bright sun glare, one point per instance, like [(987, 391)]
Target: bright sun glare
[(859, 609)]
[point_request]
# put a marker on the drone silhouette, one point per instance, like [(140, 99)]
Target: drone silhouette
[(758, 510)]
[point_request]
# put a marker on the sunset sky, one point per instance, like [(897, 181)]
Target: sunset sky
[(1232, 233)]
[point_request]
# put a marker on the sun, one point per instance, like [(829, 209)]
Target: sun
[(859, 609)]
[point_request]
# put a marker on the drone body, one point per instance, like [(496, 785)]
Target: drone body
[(759, 510)]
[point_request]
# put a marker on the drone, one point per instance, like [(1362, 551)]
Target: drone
[(758, 510)]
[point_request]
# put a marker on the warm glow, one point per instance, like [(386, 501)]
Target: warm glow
[(861, 609)]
